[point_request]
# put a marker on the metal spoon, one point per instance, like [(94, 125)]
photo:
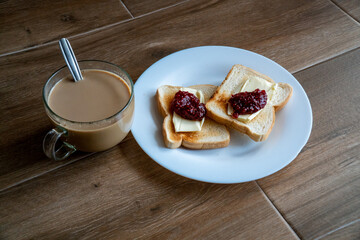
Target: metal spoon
[(70, 59)]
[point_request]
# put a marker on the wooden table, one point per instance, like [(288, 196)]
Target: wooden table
[(122, 193)]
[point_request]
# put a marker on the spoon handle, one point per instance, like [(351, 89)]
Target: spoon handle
[(70, 59)]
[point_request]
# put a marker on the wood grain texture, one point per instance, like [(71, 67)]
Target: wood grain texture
[(24, 118), (351, 7), (348, 232), (284, 34), (319, 191), (122, 194), (140, 7), (26, 23)]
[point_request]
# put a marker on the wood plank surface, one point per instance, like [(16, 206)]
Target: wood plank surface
[(320, 190), (351, 7), (347, 232), (26, 23), (141, 7), (287, 36), (122, 194)]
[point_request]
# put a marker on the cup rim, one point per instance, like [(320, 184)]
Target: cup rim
[(91, 122)]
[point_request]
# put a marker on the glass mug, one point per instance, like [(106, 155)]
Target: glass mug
[(68, 136)]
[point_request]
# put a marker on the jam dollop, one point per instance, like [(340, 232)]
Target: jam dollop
[(188, 106), (248, 102)]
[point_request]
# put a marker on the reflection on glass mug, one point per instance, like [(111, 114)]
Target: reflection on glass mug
[(91, 115)]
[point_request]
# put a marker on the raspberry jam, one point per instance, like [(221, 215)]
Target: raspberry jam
[(188, 106), (248, 102)]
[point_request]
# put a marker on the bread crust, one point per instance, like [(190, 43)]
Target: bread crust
[(212, 135), (217, 105)]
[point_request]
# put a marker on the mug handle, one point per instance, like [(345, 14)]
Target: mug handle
[(49, 145)]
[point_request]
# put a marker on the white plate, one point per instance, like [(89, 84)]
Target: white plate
[(243, 160)]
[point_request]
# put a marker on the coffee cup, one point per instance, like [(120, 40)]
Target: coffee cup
[(91, 115)]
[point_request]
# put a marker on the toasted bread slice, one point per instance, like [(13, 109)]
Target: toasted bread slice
[(258, 128), (212, 134)]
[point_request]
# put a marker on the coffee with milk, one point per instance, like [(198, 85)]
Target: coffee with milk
[(97, 112)]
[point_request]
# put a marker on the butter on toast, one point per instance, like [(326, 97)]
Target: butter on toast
[(260, 127), (212, 134)]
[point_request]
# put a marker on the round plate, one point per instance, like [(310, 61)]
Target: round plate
[(243, 160)]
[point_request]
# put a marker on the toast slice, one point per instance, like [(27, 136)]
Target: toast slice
[(260, 127), (212, 134)]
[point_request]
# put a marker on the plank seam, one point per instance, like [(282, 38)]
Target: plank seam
[(327, 59), (70, 37), (162, 9), (43, 173), (50, 170), (92, 30), (337, 229), (132, 16), (344, 11), (278, 212)]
